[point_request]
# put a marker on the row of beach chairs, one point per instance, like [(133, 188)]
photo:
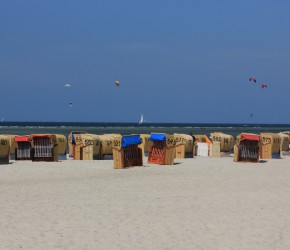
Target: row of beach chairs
[(129, 150)]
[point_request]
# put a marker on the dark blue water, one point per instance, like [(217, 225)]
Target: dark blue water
[(24, 128)]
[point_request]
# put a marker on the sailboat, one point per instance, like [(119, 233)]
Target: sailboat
[(141, 119)]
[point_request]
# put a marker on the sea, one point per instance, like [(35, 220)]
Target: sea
[(27, 128)]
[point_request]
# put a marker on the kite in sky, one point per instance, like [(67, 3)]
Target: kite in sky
[(264, 85), (68, 86), (253, 79)]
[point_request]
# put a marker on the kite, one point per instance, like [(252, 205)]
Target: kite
[(70, 104), (67, 85), (253, 79), (264, 85), (117, 83)]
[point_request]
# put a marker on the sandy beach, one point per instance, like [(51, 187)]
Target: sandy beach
[(202, 203)]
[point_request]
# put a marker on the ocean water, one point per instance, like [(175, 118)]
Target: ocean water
[(26, 128)]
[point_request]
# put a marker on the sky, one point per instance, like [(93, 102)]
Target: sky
[(179, 61)]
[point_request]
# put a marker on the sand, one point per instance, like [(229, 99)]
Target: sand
[(202, 203)]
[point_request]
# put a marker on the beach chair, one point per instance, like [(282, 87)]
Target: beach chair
[(107, 145), (126, 151), (44, 147), (161, 149), (4, 149), (222, 142), (23, 149), (183, 146), (72, 143), (87, 147), (247, 148)]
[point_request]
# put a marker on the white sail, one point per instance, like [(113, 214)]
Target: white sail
[(141, 119)]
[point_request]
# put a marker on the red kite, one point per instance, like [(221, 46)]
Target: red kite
[(253, 79), (264, 85)]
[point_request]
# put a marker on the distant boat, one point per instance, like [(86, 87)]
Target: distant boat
[(141, 119)]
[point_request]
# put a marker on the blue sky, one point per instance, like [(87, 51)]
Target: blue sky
[(177, 61)]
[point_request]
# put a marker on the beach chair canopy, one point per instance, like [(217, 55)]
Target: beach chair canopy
[(24, 138), (227, 142), (131, 140), (157, 137), (107, 143), (185, 141), (250, 137), (71, 136)]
